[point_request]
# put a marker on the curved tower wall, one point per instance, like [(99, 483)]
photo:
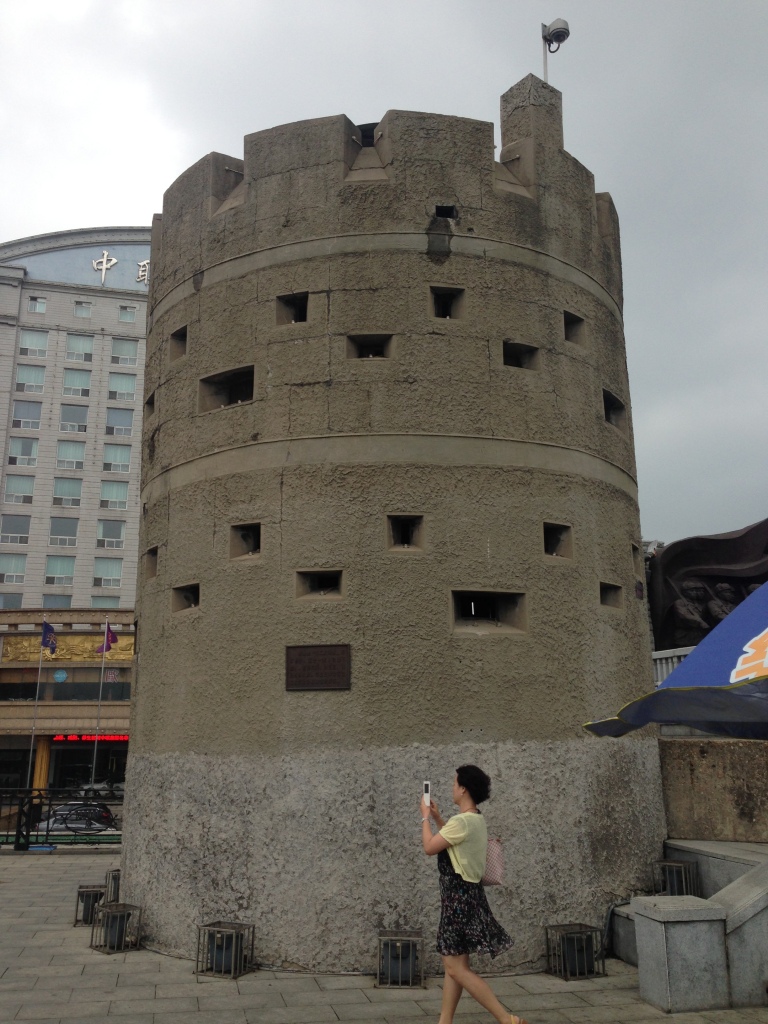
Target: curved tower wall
[(298, 809)]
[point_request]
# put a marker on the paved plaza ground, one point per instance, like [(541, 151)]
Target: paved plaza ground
[(48, 974)]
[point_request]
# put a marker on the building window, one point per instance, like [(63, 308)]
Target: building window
[(111, 533), (22, 451), (291, 309), (63, 532), (611, 596), (67, 492), (119, 422), (574, 328), (222, 390), (177, 346), (524, 357), (114, 494), (487, 611), (35, 304), (446, 212), (244, 540), (107, 572), (80, 347), (33, 343), (70, 454), (57, 600), (558, 540), (405, 532), (150, 563), (614, 411), (19, 489), (369, 346), (83, 309), (77, 383), (125, 352), (10, 602), (73, 419), (14, 529), (117, 458), (30, 379), (126, 314), (12, 568), (185, 597), (105, 602), (59, 570), (319, 583), (447, 303), (26, 415), (122, 387), (149, 406)]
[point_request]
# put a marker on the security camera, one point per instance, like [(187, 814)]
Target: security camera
[(555, 34)]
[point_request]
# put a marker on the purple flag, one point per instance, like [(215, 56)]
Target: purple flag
[(110, 638)]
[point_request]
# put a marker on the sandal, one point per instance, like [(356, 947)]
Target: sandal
[(517, 1020)]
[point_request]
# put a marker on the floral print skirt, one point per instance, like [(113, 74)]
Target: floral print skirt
[(466, 922)]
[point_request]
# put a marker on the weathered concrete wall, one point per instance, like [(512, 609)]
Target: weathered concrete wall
[(716, 789), (326, 449), (321, 850)]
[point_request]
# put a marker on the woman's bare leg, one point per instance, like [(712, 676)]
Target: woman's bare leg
[(451, 994), (458, 969)]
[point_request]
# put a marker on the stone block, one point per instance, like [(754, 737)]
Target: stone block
[(681, 953)]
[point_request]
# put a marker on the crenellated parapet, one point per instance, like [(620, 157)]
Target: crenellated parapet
[(326, 177)]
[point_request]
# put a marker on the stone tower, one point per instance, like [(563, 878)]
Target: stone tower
[(390, 526)]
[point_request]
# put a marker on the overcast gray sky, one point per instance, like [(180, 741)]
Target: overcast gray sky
[(103, 104)]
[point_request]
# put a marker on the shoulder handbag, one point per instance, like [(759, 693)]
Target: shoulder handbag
[(494, 864)]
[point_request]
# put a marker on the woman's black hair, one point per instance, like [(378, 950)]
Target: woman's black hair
[(475, 781)]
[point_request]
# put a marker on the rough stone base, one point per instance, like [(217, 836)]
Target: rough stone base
[(321, 850), (716, 789)]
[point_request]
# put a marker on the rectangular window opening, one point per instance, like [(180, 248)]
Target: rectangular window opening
[(558, 540), (149, 407), (319, 583), (14, 529), (487, 611), (33, 343), (574, 328), (110, 533), (183, 598), (447, 303), (35, 304), (611, 596), (369, 346), (127, 314), (83, 309), (119, 422), (177, 344), (292, 309), (19, 489), (63, 532), (244, 540), (614, 410), (150, 563), (517, 354), (223, 390), (449, 212), (57, 600), (405, 532)]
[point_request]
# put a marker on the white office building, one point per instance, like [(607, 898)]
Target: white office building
[(72, 330)]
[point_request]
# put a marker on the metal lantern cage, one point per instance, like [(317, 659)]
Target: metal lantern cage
[(225, 949), (116, 928), (88, 899), (676, 878), (574, 951), (401, 960)]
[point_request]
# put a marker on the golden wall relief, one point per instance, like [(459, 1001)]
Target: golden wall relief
[(72, 647)]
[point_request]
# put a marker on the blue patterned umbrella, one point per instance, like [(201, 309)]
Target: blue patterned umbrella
[(720, 688)]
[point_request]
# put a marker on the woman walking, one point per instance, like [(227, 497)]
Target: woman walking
[(466, 922)]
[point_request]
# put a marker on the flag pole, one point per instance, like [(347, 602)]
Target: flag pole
[(34, 719), (98, 713)]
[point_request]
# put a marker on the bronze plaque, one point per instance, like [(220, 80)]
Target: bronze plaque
[(322, 667)]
